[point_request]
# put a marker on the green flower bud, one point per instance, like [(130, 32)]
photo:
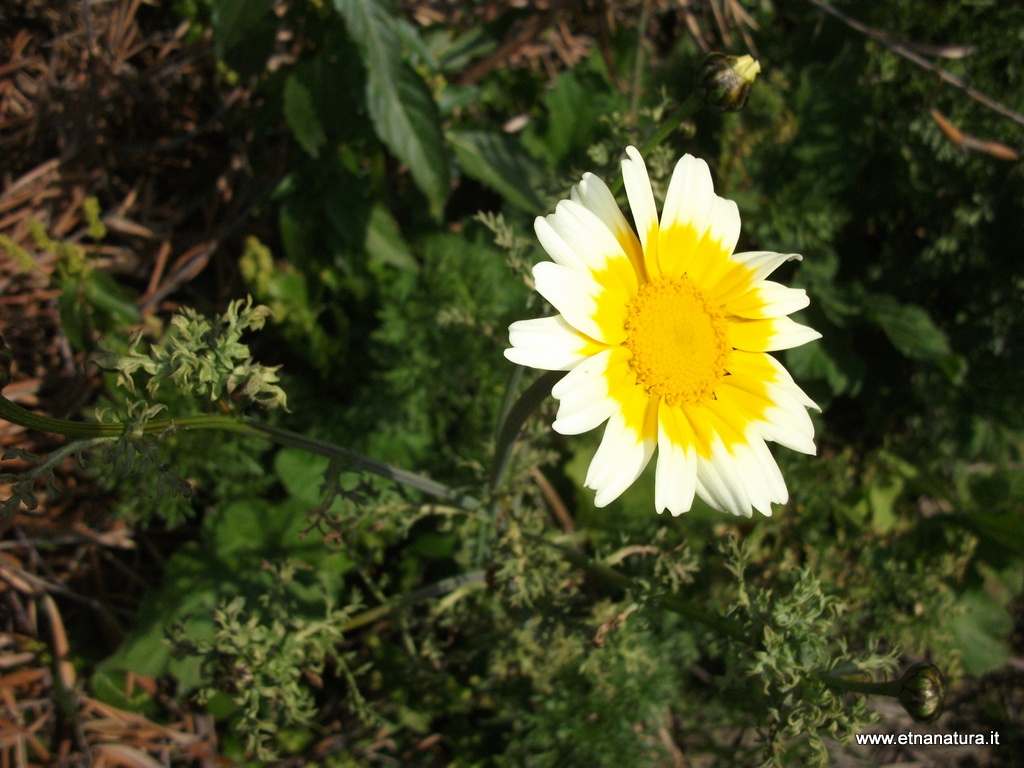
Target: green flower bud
[(922, 692), (723, 82)]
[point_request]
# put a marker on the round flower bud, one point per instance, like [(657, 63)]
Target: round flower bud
[(923, 692), (723, 82)]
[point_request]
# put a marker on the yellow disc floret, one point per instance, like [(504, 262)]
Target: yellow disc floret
[(678, 340)]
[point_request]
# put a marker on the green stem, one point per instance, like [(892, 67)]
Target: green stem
[(636, 81), (443, 587), (885, 688), (513, 422), (616, 580), (669, 125), (84, 431), (402, 476)]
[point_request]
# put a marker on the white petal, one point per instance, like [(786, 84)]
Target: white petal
[(763, 263), (640, 195), (548, 343), (761, 476), (587, 235), (690, 197), (559, 250), (756, 469), (583, 398), (572, 293), (619, 460), (785, 380), (778, 376), (785, 421), (769, 299), (725, 224), (757, 266), (769, 334), (593, 194), (788, 424), (675, 480), (789, 334), (722, 233), (719, 482)]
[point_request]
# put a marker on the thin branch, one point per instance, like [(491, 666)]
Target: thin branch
[(901, 49)]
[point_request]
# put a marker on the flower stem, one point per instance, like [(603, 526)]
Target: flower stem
[(669, 125), (838, 683), (79, 430), (921, 690), (513, 421), (616, 580), (402, 476), (443, 587)]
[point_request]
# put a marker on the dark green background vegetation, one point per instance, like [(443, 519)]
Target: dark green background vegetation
[(372, 143)]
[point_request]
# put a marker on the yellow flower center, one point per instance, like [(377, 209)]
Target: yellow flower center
[(679, 341)]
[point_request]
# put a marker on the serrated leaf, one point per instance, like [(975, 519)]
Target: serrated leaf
[(981, 632), (384, 241), (301, 115), (912, 331), (498, 161), (400, 105), (301, 474), (227, 564), (574, 104)]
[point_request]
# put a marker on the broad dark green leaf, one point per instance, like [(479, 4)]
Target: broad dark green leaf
[(498, 161), (574, 107), (384, 241), (832, 359), (234, 19), (243, 33), (227, 563), (981, 632), (909, 327), (401, 107), (300, 113), (912, 331)]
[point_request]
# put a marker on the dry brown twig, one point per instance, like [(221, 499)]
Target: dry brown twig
[(907, 51)]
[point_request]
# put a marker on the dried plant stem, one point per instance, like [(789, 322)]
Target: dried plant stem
[(902, 50)]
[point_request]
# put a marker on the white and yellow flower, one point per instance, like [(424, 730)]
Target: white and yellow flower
[(665, 336)]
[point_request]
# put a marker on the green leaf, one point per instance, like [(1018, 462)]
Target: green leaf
[(455, 52), (832, 359), (912, 331), (243, 33), (981, 632), (234, 19), (301, 474), (384, 241), (229, 562), (999, 531), (498, 161), (575, 105), (882, 497), (401, 107), (111, 686), (300, 113), (95, 301)]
